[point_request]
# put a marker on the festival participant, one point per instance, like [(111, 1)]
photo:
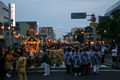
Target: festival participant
[(21, 67), (61, 55), (48, 62), (68, 60), (76, 58), (15, 58), (8, 64), (85, 58), (32, 58), (103, 49), (96, 58), (2, 65), (39, 58)]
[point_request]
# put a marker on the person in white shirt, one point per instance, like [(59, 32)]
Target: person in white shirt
[(32, 58), (103, 54), (114, 55)]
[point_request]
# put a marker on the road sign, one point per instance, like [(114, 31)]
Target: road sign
[(93, 24), (78, 15), (93, 18)]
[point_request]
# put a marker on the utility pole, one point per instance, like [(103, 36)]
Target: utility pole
[(93, 24)]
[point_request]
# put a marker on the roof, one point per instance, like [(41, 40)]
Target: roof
[(32, 39), (28, 22), (117, 4)]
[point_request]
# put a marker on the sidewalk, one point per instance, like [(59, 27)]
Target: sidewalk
[(108, 61)]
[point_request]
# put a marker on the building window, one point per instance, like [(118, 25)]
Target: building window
[(6, 12), (6, 21), (40, 29)]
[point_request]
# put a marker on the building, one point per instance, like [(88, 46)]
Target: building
[(25, 26), (9, 35), (4, 18), (21, 30), (112, 8), (74, 35), (46, 33), (68, 37)]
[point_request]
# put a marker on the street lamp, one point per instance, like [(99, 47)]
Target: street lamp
[(2, 27), (105, 31)]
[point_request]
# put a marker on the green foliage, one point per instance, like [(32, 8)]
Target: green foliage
[(111, 26)]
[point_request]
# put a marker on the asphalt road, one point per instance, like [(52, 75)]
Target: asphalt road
[(103, 75)]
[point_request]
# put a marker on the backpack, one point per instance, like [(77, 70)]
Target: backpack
[(96, 57), (84, 58)]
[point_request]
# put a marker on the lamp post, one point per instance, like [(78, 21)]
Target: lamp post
[(9, 28), (2, 27), (12, 34)]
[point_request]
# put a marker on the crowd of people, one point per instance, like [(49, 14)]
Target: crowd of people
[(77, 58), (81, 60)]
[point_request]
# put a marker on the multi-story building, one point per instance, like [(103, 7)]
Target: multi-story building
[(25, 26), (112, 8), (46, 33), (68, 37), (21, 30), (73, 35), (4, 18)]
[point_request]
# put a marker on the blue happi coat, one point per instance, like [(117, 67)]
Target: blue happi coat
[(76, 60), (68, 58), (85, 57), (96, 58)]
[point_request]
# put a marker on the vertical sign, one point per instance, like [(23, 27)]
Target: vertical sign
[(13, 14)]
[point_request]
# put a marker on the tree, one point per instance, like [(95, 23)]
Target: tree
[(110, 28)]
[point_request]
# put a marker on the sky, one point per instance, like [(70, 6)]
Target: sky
[(57, 13)]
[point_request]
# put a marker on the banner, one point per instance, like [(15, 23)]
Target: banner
[(13, 14)]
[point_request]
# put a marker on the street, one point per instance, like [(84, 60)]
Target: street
[(106, 73)]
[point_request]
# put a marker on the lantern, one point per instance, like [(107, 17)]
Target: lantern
[(14, 32), (13, 29), (2, 27), (9, 28)]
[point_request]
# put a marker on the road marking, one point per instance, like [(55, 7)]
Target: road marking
[(109, 70), (91, 70), (104, 66)]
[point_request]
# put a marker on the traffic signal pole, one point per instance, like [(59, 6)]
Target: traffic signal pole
[(93, 20), (94, 35)]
